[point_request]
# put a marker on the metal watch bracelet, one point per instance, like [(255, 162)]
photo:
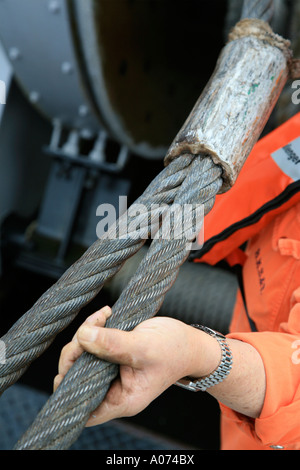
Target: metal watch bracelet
[(219, 374)]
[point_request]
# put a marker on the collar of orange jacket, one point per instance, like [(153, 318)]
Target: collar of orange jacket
[(268, 184)]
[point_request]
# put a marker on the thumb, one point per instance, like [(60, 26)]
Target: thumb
[(113, 345)]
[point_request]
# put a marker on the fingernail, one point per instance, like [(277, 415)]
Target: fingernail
[(88, 333)]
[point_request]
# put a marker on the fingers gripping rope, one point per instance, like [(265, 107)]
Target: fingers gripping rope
[(86, 384), (55, 310)]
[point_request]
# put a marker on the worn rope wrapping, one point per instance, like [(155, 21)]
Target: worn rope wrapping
[(36, 329), (262, 31), (87, 382)]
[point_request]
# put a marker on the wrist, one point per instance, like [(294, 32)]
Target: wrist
[(219, 373), (206, 354)]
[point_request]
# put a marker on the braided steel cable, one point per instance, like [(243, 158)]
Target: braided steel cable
[(56, 309), (35, 330), (260, 9), (69, 408), (63, 417)]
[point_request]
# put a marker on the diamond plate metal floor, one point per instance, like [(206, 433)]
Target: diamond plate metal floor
[(20, 404)]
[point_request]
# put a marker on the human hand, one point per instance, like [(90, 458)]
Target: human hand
[(152, 357)]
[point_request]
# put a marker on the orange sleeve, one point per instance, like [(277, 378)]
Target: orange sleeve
[(260, 181), (279, 422)]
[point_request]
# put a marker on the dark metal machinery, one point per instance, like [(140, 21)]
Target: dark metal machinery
[(106, 80)]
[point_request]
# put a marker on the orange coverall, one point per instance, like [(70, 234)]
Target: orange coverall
[(263, 209)]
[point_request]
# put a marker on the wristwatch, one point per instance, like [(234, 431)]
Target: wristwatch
[(219, 374)]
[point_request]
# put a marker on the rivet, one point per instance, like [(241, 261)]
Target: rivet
[(83, 110), (54, 6), (14, 53), (87, 134), (34, 96), (66, 68)]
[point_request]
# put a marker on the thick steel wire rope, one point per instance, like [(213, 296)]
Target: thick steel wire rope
[(30, 336), (35, 330), (260, 9), (63, 417)]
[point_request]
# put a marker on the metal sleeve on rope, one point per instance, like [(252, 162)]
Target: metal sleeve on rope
[(236, 104)]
